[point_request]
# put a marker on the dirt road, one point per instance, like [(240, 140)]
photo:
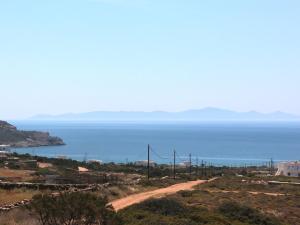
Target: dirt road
[(158, 193)]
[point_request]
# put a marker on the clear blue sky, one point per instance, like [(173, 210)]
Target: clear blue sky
[(64, 56)]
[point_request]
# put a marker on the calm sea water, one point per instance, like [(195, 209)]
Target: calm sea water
[(218, 143)]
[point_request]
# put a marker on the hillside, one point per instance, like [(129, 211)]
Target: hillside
[(9, 135)]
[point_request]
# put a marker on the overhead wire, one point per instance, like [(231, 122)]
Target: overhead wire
[(158, 155)]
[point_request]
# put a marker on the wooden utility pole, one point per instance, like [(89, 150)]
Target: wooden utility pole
[(271, 166), (174, 165), (85, 157), (202, 169), (148, 165), (190, 164), (197, 166)]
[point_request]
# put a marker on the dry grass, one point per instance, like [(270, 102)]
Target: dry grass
[(19, 216), (121, 191), (284, 207), (16, 175), (22, 217), (15, 195), (254, 184)]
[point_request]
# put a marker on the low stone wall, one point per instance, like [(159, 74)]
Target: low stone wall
[(282, 182), (54, 187), (9, 207), (41, 186), (71, 188)]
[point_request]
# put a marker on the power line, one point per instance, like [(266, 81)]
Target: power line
[(158, 155), (181, 158)]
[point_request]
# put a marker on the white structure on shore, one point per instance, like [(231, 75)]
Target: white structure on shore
[(4, 152), (95, 161), (145, 163), (291, 169), (184, 164), (5, 148), (61, 157)]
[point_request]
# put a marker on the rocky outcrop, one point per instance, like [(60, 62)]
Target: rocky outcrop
[(9, 135)]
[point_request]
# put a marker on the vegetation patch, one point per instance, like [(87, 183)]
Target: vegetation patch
[(246, 214), (15, 195), (73, 209)]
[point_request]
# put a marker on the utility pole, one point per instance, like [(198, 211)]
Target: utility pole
[(190, 164), (208, 171), (85, 157), (271, 166), (202, 172), (174, 165), (197, 166), (148, 165)]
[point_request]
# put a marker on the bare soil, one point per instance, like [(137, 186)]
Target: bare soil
[(158, 193)]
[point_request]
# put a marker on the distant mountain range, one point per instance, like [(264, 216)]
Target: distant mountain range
[(204, 114)]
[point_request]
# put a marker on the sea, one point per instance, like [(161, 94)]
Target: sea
[(217, 143)]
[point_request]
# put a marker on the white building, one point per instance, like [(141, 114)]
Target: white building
[(145, 163), (291, 169), (184, 164), (5, 148), (61, 157), (4, 152), (96, 161)]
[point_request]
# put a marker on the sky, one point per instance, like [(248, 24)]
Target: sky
[(61, 56)]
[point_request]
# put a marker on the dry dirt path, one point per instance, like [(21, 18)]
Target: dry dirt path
[(158, 193)]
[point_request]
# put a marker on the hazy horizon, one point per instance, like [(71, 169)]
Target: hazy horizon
[(36, 115), (204, 114), (78, 56)]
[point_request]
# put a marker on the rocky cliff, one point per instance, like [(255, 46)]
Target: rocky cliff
[(9, 135)]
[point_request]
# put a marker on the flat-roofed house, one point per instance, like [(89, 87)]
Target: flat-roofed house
[(184, 164), (5, 148), (3, 156), (145, 163), (95, 161), (4, 152), (291, 169)]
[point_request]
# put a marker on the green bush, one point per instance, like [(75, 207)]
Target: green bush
[(185, 194), (44, 171), (169, 211), (245, 214), (73, 209), (165, 206)]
